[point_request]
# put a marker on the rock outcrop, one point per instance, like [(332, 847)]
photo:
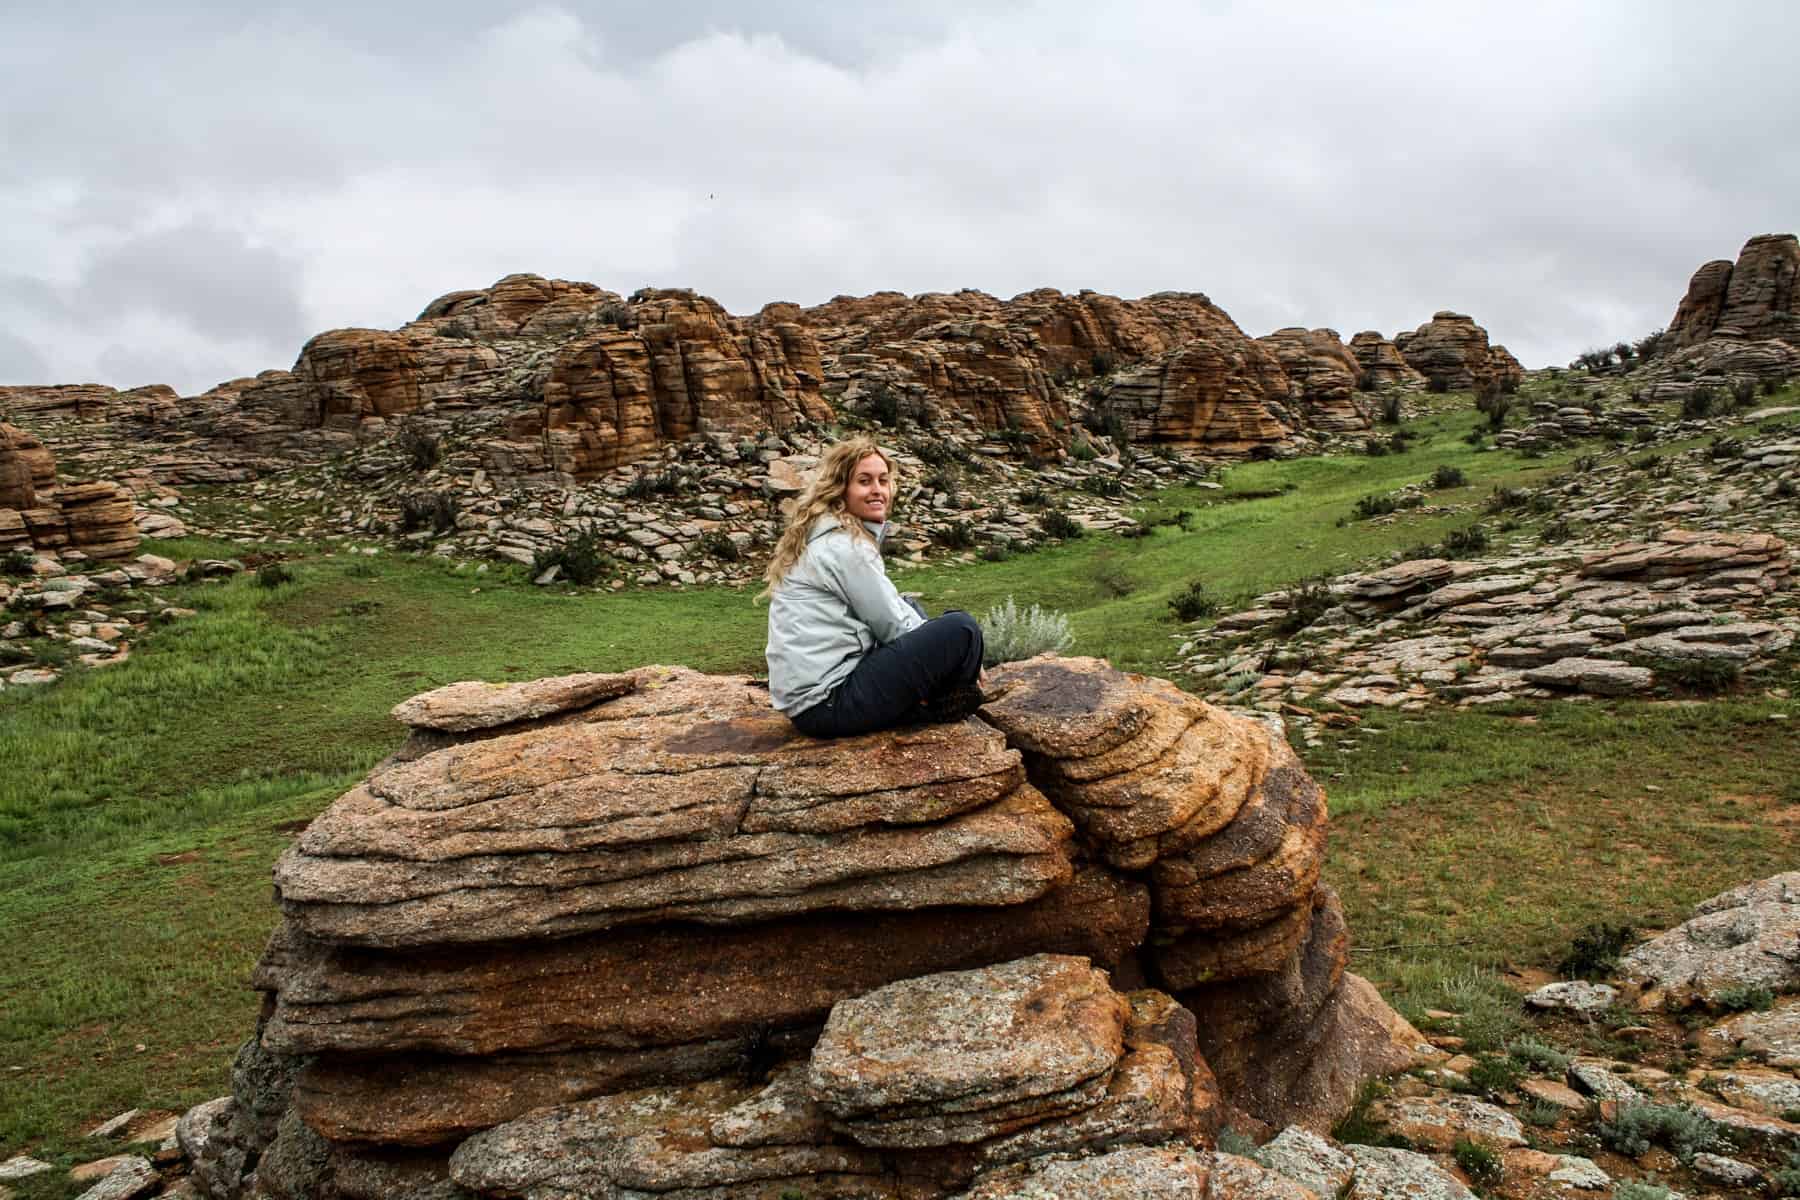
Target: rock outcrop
[(1738, 942), (95, 519), (608, 935), (1381, 361), (1217, 395), (1757, 298), (1324, 377), (1453, 354)]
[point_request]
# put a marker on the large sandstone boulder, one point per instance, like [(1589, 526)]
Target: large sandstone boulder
[(25, 466), (623, 934), (1745, 939), (97, 518), (1756, 298), (1453, 354), (1324, 375), (1381, 361)]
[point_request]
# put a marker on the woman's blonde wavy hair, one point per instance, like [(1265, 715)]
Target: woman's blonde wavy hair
[(825, 495)]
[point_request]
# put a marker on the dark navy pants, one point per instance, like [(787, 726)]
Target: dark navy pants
[(892, 681)]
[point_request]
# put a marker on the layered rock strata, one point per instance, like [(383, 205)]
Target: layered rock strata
[(1324, 377), (1453, 354), (1381, 362), (97, 519), (608, 935), (1756, 298)]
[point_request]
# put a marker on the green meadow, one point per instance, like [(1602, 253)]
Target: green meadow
[(141, 806)]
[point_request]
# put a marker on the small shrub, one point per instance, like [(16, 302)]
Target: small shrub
[(1785, 1181), (1698, 403), (435, 511), (1743, 392), (1375, 506), (654, 483), (1391, 410), (1476, 437), (1033, 497), (716, 543), (1081, 449), (1058, 524), (1103, 362), (1192, 603), (579, 555), (1437, 384), (1494, 1073), (1708, 676), (1399, 441), (1010, 633), (1541, 1113), (1637, 1189), (1746, 998), (1480, 1164), (1722, 447), (1770, 386), (881, 404), (1594, 952), (1358, 1128), (1375, 447), (1556, 532), (957, 535), (1650, 345), (1503, 498), (996, 552), (1644, 435), (16, 563), (1230, 1141), (1448, 477), (1305, 603), (1104, 486), (1638, 1125), (1461, 542), (420, 447), (273, 575), (1538, 1056)]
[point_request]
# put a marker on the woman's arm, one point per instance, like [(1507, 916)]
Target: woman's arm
[(873, 600)]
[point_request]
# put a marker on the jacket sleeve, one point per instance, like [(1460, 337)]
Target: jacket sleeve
[(871, 596)]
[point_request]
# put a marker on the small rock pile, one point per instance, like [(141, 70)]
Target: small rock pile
[(1687, 609), (627, 934)]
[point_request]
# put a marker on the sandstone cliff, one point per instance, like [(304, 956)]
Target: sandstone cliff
[(1754, 299)]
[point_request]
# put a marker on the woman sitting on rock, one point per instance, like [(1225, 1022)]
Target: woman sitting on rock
[(846, 653)]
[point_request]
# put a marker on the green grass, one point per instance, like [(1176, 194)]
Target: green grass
[(141, 806)]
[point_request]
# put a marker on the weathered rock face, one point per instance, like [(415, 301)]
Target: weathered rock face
[(610, 935), (98, 518), (1743, 939), (1324, 376), (1381, 361), (1213, 394), (1756, 298), (1452, 352)]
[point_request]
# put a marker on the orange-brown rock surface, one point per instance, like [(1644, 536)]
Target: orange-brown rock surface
[(1217, 395), (97, 518), (642, 915), (1453, 354), (1323, 376), (1756, 298), (1381, 361)]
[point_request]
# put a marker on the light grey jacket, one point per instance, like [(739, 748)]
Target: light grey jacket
[(833, 607)]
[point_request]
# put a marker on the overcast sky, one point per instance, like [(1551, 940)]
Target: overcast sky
[(190, 189)]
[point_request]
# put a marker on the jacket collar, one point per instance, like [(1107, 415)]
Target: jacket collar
[(826, 522)]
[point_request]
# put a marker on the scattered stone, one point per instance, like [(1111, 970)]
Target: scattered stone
[(1579, 1172), (22, 1167), (1748, 937), (1573, 996), (1716, 1168), (1384, 1174)]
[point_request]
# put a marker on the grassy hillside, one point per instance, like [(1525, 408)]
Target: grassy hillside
[(141, 806)]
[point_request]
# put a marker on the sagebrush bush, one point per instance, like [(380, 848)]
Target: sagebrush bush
[(1448, 477), (1539, 1056), (1304, 603), (273, 575), (1480, 1164), (1638, 1125), (435, 511), (421, 447), (1594, 952), (1010, 633)]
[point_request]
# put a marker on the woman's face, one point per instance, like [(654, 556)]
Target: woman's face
[(867, 495)]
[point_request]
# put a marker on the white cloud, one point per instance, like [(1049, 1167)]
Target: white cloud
[(1555, 170)]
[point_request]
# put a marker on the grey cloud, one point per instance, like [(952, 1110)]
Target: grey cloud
[(206, 277), (21, 362)]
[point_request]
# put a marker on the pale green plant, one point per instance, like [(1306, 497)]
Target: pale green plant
[(1010, 633)]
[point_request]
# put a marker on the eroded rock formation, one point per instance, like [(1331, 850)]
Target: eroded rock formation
[(616, 935), (1381, 361), (1324, 376), (1756, 298), (96, 518), (1453, 354)]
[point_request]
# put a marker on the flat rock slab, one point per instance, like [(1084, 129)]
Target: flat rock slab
[(1439, 1122), (1748, 937), (1384, 1174), (1235, 1178), (967, 1040), (1308, 1159), (1573, 996), (470, 705), (131, 1177), (22, 1167), (1596, 676), (1773, 1037), (1134, 1173)]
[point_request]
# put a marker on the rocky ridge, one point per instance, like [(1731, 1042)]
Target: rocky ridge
[(616, 935), (1700, 597)]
